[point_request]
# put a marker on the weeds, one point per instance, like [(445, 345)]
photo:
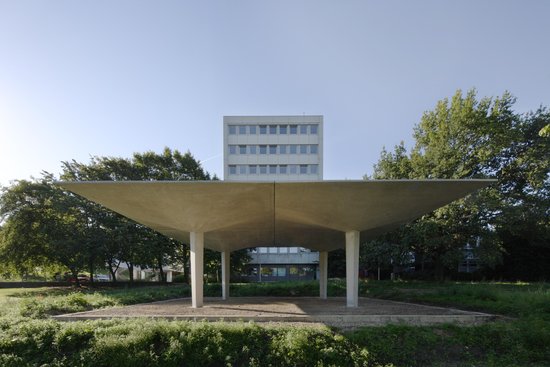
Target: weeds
[(28, 337)]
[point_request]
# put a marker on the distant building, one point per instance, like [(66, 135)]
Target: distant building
[(275, 148)]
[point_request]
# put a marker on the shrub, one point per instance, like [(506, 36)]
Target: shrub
[(137, 343)]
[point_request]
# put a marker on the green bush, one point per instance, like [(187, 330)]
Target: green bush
[(137, 343), (56, 302)]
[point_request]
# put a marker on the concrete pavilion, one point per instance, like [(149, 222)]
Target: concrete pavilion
[(228, 216)]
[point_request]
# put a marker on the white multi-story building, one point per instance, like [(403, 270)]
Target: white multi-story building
[(275, 148)]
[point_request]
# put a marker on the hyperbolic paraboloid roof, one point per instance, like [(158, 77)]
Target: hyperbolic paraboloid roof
[(236, 215)]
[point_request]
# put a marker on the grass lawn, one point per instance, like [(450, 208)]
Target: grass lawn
[(29, 337)]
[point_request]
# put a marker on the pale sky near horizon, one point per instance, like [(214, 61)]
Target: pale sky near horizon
[(109, 78)]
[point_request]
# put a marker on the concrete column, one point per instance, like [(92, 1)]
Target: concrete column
[(197, 268), (352, 268), (323, 274), (169, 276), (226, 272)]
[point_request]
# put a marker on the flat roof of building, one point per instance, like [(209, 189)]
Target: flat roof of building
[(235, 215)]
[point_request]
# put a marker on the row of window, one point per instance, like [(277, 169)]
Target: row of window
[(279, 250), (274, 149), (281, 271), (273, 129), (273, 169)]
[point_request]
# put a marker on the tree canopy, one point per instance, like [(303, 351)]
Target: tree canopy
[(45, 225), (464, 138)]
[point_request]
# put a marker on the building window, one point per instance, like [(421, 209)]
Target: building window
[(252, 169), (242, 149), (242, 130), (232, 149), (313, 129), (272, 169), (252, 129), (263, 129), (263, 250), (263, 169), (272, 250), (283, 129), (303, 169), (313, 149), (242, 169), (273, 129), (282, 149), (303, 149), (232, 130), (293, 169), (282, 169), (293, 250), (303, 129), (252, 149), (263, 149), (313, 168), (232, 169), (293, 149), (272, 149), (293, 129), (283, 250)]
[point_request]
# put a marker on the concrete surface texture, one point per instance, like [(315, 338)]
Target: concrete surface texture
[(311, 310), (236, 215)]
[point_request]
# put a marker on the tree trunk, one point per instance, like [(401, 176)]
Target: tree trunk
[(91, 268), (130, 271), (75, 276), (185, 264), (439, 270), (113, 272), (161, 272)]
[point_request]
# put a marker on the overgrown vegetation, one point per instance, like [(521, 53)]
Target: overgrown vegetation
[(163, 343), (29, 337), (521, 340)]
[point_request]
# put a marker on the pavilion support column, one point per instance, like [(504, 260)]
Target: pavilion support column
[(323, 274), (352, 268), (197, 268), (226, 272)]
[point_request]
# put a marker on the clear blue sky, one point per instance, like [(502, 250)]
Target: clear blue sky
[(83, 78)]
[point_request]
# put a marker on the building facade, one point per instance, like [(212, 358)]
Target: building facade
[(275, 148)]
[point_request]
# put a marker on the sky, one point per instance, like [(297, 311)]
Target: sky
[(109, 78)]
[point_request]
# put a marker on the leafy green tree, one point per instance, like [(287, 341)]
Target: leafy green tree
[(470, 138), (43, 225), (140, 245)]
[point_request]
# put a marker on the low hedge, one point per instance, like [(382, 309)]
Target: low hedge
[(143, 342)]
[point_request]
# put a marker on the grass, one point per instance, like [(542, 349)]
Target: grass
[(45, 302), (510, 299), (29, 337)]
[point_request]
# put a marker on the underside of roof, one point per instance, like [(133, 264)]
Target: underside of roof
[(236, 215)]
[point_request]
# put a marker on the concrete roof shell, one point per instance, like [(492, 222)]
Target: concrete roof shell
[(235, 215)]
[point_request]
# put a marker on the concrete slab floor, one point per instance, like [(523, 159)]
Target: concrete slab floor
[(296, 310)]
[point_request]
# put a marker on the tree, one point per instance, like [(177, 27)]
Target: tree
[(467, 138), (140, 245), (43, 225)]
